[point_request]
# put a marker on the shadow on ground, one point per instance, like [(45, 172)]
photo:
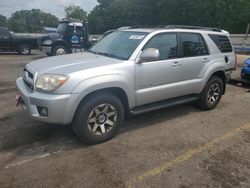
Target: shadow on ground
[(21, 135)]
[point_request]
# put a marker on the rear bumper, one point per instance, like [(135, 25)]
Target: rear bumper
[(61, 108)]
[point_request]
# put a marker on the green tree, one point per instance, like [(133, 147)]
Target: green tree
[(111, 14), (76, 12), (232, 15), (3, 21), (104, 4), (31, 21)]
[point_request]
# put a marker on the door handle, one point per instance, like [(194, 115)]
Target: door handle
[(205, 60), (176, 64), (5, 37)]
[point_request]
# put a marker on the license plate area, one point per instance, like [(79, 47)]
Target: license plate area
[(20, 102)]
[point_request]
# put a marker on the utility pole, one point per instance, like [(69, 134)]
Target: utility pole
[(247, 32)]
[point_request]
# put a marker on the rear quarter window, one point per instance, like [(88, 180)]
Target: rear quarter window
[(222, 42)]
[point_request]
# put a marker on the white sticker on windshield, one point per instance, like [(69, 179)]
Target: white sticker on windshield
[(136, 37)]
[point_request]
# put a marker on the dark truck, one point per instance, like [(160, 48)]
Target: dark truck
[(20, 42), (71, 36)]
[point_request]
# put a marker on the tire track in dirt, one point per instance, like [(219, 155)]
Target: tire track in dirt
[(7, 87)]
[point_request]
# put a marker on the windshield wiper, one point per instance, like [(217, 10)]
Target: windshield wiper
[(106, 54)]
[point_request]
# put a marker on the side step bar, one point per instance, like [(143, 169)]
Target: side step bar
[(163, 104)]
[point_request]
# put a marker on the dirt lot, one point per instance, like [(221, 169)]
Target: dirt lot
[(178, 147)]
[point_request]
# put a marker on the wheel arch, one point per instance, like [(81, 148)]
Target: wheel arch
[(219, 72), (59, 43), (116, 91), (23, 43), (222, 75)]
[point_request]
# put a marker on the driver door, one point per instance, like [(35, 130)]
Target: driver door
[(5, 38), (161, 79)]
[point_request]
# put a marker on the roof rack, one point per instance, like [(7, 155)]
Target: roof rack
[(192, 27)]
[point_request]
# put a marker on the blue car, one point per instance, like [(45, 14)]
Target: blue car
[(245, 71)]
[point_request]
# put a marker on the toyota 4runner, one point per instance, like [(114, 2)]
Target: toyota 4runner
[(130, 71)]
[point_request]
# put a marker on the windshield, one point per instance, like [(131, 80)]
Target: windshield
[(62, 27), (120, 44)]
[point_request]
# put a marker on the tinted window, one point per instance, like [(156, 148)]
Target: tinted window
[(166, 44), (79, 30), (193, 45), (222, 42)]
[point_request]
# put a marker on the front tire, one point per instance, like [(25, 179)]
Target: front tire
[(212, 93), (98, 118), (59, 50), (24, 49)]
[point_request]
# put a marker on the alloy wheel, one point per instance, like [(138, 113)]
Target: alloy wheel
[(102, 119), (60, 51), (25, 50), (213, 93)]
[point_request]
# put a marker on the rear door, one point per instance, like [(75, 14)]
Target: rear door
[(195, 58), (5, 38), (159, 80)]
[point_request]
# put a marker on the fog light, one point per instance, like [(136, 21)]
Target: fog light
[(43, 111)]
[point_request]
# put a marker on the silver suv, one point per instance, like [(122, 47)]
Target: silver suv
[(129, 71)]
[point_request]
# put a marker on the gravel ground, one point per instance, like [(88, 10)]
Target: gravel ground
[(179, 147)]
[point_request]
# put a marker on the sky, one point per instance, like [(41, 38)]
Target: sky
[(56, 7)]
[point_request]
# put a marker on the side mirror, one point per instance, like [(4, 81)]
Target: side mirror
[(150, 54)]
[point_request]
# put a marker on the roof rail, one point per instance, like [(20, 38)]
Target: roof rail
[(127, 27), (192, 27)]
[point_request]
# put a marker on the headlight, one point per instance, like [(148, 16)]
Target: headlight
[(47, 42), (49, 82)]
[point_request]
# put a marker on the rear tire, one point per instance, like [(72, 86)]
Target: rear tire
[(98, 118), (24, 49), (211, 94)]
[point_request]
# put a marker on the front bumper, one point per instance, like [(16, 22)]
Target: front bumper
[(46, 49), (245, 72), (61, 108)]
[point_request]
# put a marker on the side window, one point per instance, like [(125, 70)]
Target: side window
[(79, 31), (193, 45), (70, 30), (165, 43)]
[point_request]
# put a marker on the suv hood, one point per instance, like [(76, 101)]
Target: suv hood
[(52, 36), (27, 35), (66, 64)]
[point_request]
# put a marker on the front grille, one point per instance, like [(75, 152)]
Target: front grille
[(28, 79), (29, 85), (29, 73)]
